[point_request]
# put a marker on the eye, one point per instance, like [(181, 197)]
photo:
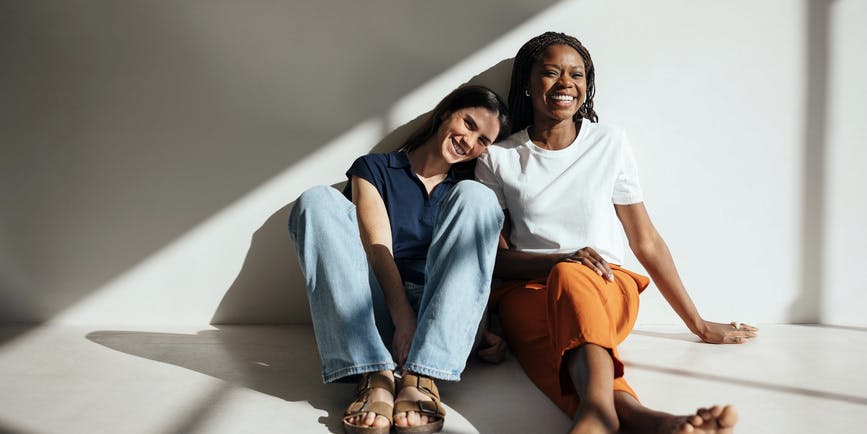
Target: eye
[(577, 75), (550, 73), (470, 123)]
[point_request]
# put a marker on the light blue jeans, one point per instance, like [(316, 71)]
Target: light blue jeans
[(350, 318)]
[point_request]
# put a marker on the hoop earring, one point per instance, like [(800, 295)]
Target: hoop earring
[(526, 92)]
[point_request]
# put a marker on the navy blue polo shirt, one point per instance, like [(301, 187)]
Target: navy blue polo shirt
[(411, 212)]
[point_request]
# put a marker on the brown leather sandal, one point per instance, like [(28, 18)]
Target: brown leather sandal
[(361, 404), (431, 409)]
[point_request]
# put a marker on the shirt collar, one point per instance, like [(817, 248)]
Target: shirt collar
[(400, 160)]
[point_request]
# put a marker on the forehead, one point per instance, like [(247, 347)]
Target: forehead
[(560, 54), (484, 118)]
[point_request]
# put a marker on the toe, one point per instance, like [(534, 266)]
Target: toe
[(412, 418), (728, 417), (380, 422), (400, 419), (369, 419)]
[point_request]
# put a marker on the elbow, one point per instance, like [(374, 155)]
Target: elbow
[(644, 250)]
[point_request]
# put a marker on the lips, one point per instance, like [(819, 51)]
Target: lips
[(563, 98), (458, 148)]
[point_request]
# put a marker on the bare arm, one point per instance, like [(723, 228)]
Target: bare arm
[(653, 253), (375, 228)]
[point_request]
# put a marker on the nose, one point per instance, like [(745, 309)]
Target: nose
[(565, 80)]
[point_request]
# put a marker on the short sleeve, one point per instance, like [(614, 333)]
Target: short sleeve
[(366, 168), (485, 174), (627, 188)]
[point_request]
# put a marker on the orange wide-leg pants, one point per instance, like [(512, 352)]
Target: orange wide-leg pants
[(542, 319)]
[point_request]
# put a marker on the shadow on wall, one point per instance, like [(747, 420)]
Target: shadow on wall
[(126, 125), (271, 275)]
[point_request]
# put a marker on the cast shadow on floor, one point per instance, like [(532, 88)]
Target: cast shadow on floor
[(283, 362)]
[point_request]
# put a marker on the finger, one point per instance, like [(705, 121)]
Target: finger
[(743, 334), (734, 340), (589, 264), (600, 263), (597, 266), (749, 327), (608, 274)]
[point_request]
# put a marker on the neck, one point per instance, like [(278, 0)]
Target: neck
[(428, 162), (553, 135)]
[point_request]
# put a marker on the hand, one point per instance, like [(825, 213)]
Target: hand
[(731, 333), (404, 331), (590, 258), (493, 350)]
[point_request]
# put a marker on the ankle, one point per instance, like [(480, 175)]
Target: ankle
[(592, 418)]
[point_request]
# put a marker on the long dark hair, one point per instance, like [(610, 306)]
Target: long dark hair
[(520, 106), (460, 98)]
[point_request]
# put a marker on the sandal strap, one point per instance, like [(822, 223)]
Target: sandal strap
[(423, 383), (361, 405), (429, 408), (358, 408), (373, 380)]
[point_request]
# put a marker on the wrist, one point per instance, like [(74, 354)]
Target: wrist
[(697, 326), (403, 316)]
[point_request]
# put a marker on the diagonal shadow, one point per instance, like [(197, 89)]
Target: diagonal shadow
[(851, 399), (269, 287), (680, 336), (136, 122), (278, 361)]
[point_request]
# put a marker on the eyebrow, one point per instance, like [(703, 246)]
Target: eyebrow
[(557, 65), (472, 120)]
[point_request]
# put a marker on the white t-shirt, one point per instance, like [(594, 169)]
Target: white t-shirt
[(561, 201)]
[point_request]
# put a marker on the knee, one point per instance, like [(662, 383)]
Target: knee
[(313, 200), (474, 195), (572, 279)]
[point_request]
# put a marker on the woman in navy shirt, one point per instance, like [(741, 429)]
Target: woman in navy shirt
[(398, 268)]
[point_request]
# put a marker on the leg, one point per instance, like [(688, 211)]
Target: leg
[(339, 284), (544, 321), (460, 263), (345, 300), (592, 372)]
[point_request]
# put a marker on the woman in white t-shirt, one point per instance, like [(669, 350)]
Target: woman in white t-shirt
[(570, 190)]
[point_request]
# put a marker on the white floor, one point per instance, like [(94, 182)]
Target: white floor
[(793, 379)]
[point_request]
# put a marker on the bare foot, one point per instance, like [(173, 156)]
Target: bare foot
[(714, 420), (411, 418), (370, 418)]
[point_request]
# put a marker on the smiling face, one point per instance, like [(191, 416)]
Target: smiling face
[(557, 85), (464, 134)]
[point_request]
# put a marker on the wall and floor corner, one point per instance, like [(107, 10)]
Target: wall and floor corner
[(149, 151)]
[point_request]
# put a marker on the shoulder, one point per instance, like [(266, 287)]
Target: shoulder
[(374, 160), (600, 131), (509, 145)]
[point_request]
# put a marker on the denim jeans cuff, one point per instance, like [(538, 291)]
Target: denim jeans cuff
[(433, 373), (330, 377)]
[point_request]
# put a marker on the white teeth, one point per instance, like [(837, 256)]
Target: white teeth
[(459, 150), (562, 98)]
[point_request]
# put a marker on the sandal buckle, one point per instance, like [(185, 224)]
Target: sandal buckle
[(426, 411)]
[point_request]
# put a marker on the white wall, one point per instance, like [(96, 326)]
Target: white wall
[(149, 151), (844, 252)]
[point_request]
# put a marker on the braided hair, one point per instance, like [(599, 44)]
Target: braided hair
[(520, 106)]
